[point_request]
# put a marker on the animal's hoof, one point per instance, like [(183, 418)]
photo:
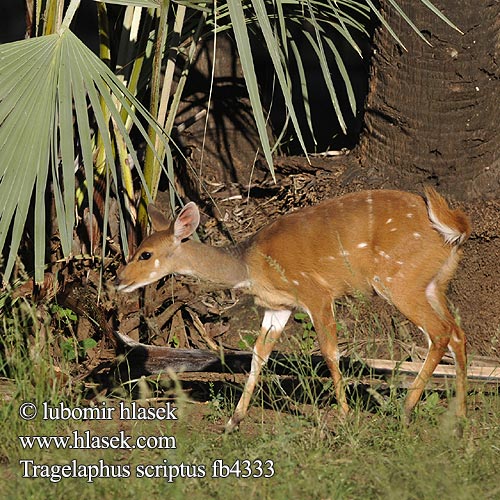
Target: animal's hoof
[(231, 426)]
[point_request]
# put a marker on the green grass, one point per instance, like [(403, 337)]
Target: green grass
[(366, 456), (314, 453)]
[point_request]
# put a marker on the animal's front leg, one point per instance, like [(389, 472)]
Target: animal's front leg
[(272, 325)]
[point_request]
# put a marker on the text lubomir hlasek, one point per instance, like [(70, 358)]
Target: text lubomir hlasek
[(126, 411)]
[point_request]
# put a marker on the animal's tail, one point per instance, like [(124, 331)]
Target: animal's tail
[(453, 225)]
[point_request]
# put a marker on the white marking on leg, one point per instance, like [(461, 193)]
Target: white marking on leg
[(275, 321), (380, 288), (243, 284), (257, 362), (272, 326), (426, 336), (432, 294), (452, 352)]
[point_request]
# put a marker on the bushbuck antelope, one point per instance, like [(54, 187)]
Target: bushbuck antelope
[(403, 246)]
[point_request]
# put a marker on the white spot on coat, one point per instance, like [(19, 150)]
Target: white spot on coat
[(322, 281), (384, 255), (362, 245), (417, 235)]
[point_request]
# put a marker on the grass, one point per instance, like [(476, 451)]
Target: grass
[(314, 453), (366, 456)]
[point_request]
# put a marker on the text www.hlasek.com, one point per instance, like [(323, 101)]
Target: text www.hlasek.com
[(86, 441)]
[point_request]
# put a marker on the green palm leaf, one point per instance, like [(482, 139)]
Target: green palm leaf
[(46, 87), (238, 21)]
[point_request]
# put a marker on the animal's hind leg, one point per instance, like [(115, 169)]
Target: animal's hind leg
[(458, 348), (437, 347), (429, 312)]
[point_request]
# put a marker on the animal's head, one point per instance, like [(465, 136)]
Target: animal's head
[(160, 253)]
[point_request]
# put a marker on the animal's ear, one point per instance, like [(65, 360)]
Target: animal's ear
[(187, 221), (159, 221)]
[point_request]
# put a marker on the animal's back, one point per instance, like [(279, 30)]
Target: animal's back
[(342, 245)]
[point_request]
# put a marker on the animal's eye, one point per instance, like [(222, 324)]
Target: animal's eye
[(145, 256)]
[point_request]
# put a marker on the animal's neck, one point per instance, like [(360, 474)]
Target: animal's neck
[(224, 266)]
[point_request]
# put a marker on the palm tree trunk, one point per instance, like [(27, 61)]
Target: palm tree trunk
[(432, 113)]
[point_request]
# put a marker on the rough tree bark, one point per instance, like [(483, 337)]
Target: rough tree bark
[(432, 113)]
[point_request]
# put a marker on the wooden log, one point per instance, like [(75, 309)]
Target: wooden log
[(482, 373), (377, 382), (144, 359)]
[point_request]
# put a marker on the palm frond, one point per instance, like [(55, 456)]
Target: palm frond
[(46, 87)]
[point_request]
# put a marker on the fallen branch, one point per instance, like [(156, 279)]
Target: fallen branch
[(485, 374), (148, 360)]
